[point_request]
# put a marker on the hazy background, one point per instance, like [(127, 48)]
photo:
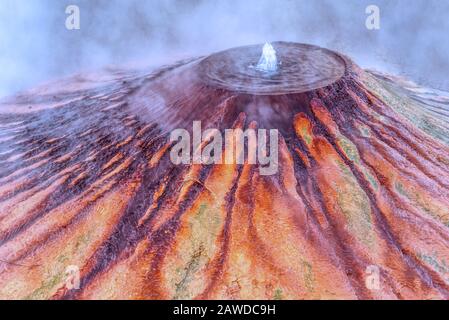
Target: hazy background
[(35, 46)]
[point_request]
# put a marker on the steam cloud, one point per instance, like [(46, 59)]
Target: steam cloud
[(35, 45)]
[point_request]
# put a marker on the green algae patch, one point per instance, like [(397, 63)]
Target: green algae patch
[(355, 205), (204, 227), (409, 108)]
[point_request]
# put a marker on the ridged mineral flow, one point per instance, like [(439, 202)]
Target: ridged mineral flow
[(363, 183)]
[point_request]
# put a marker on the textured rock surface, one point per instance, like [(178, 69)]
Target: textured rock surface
[(86, 180)]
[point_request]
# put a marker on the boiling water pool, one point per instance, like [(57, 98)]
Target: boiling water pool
[(300, 68)]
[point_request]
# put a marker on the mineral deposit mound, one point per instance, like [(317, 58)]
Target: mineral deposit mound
[(358, 209)]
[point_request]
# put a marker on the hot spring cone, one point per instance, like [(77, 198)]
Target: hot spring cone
[(359, 208)]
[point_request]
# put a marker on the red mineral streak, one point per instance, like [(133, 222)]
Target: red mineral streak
[(86, 180)]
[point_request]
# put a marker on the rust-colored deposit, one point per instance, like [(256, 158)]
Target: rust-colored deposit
[(363, 183)]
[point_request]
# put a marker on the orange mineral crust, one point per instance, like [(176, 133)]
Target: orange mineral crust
[(361, 191)]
